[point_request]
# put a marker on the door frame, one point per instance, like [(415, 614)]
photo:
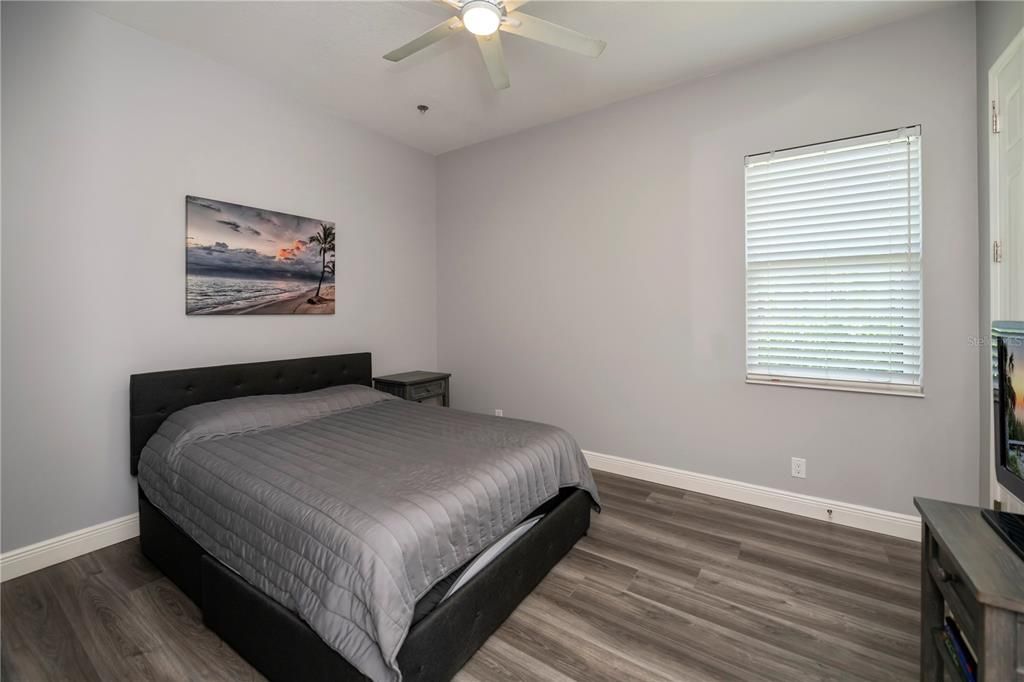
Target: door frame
[(995, 273)]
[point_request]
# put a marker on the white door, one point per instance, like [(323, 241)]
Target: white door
[(1006, 200), (1007, 181)]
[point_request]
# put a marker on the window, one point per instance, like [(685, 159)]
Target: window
[(833, 242)]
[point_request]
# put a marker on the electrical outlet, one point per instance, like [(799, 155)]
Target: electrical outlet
[(799, 466), (499, 413)]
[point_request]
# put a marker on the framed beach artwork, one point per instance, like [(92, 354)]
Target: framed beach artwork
[(249, 261)]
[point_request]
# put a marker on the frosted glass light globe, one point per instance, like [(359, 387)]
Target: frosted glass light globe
[(481, 17)]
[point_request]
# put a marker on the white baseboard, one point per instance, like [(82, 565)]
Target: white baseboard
[(866, 518), (24, 560)]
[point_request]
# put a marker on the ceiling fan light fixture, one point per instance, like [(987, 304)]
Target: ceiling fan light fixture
[(481, 17)]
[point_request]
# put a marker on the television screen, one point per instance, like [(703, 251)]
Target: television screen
[(1009, 337)]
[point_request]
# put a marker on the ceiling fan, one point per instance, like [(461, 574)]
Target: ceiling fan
[(484, 19)]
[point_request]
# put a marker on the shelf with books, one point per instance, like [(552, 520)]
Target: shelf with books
[(961, 649), (956, 657), (972, 598)]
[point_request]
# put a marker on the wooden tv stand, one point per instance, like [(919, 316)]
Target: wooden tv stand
[(968, 571)]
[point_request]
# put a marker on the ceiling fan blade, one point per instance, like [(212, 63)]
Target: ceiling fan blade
[(439, 32), (542, 31), (494, 59), (513, 5)]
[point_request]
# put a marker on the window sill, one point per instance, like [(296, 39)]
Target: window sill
[(900, 391)]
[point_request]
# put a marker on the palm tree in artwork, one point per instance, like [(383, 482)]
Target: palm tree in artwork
[(325, 240)]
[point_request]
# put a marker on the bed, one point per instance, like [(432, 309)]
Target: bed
[(267, 477)]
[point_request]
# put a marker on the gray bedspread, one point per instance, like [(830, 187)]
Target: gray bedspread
[(346, 505)]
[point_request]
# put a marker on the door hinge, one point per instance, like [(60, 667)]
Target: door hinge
[(997, 252), (995, 118)]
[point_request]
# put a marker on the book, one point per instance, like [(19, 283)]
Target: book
[(948, 641), (963, 640), (961, 653)]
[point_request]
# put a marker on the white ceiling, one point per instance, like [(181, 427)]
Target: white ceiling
[(331, 51)]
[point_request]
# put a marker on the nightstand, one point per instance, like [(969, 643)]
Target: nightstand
[(423, 387), (970, 575)]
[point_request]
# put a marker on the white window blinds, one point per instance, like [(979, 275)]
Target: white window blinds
[(833, 245)]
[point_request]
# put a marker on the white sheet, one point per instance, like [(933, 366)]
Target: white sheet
[(491, 553)]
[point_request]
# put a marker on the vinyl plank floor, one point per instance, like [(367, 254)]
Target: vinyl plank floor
[(668, 585)]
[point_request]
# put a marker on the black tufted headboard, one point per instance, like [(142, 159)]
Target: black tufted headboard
[(155, 395)]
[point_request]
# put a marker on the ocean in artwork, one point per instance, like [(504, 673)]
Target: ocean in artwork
[(227, 295), (248, 261)]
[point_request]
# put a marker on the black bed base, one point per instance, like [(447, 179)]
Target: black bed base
[(283, 647)]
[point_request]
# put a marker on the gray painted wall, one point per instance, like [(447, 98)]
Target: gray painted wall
[(105, 131), (591, 272), (997, 24)]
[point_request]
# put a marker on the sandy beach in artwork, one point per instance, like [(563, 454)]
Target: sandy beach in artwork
[(297, 305)]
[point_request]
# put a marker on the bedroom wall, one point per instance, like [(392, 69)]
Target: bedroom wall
[(998, 23), (105, 131), (591, 272)]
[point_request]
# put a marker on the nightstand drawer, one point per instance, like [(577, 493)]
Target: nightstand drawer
[(956, 593), (420, 391)]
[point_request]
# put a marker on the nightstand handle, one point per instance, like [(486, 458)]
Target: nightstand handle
[(944, 575)]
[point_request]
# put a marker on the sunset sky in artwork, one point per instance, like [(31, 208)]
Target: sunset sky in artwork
[(1018, 385), (229, 240)]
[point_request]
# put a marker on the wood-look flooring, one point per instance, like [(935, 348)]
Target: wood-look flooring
[(668, 585)]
